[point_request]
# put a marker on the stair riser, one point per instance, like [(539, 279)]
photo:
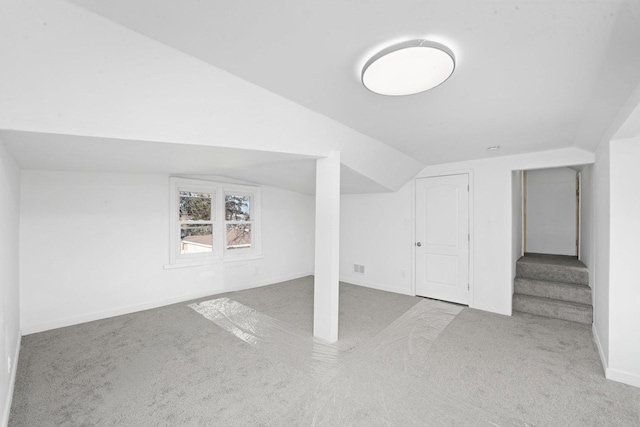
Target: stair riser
[(551, 290), (552, 273), (554, 309)]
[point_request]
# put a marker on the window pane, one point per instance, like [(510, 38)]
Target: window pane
[(195, 206), (237, 208), (238, 236), (196, 238)]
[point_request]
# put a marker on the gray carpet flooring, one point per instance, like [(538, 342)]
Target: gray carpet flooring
[(171, 366), (564, 260)]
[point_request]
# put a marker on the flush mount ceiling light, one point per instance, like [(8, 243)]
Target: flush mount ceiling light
[(408, 68)]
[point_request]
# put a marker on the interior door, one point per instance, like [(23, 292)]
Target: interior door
[(442, 238)]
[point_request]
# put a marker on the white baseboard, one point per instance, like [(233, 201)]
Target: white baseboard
[(610, 373), (623, 377), (378, 286), (603, 357), (70, 321), (12, 383), (270, 281)]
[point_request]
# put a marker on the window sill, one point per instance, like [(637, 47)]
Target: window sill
[(211, 262)]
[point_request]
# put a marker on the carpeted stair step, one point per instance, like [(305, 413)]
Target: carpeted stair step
[(554, 290), (552, 269), (571, 311)]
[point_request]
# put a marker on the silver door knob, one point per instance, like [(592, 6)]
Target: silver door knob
[(418, 244)]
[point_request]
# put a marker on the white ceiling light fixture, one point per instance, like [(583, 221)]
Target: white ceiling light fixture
[(408, 68)]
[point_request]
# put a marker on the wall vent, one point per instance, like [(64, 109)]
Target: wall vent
[(357, 268)]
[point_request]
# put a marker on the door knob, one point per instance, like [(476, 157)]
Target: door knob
[(418, 244)]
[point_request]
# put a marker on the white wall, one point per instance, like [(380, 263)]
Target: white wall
[(373, 227), (600, 277), (624, 280), (613, 246), (376, 231), (551, 211), (516, 221), (94, 245), (9, 277)]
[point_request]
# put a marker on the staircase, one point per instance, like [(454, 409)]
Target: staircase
[(554, 286)]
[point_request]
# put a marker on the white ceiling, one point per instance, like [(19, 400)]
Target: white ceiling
[(46, 151), (530, 75)]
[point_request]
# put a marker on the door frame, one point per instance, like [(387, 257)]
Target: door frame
[(578, 211), (578, 196), (469, 173)]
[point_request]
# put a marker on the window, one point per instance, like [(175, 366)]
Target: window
[(213, 221), (238, 221), (196, 219)]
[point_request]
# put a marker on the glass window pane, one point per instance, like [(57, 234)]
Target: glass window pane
[(195, 206), (237, 207), (238, 236), (196, 238)]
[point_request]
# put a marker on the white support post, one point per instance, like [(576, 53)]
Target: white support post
[(326, 288)]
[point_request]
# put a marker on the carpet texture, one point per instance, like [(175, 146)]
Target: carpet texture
[(172, 366)]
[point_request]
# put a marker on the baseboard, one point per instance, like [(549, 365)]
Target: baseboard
[(610, 373), (377, 286), (268, 282), (70, 321), (603, 357), (623, 377), (12, 383)]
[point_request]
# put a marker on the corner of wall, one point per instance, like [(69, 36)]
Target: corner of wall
[(603, 356), (622, 377), (12, 382), (9, 277)]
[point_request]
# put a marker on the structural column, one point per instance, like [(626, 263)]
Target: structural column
[(325, 303)]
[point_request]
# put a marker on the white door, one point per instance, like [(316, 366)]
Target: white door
[(442, 238)]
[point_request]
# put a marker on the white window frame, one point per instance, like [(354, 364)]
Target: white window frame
[(239, 191), (219, 252)]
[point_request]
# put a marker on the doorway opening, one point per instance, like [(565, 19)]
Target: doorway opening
[(551, 211), (550, 280)]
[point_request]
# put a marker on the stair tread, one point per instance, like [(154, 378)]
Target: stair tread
[(552, 308), (553, 301), (553, 286), (552, 272), (559, 291), (546, 282), (556, 260)]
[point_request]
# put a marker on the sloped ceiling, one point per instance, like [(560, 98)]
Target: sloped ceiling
[(283, 76), (530, 75), (630, 128), (80, 92), (46, 151)]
